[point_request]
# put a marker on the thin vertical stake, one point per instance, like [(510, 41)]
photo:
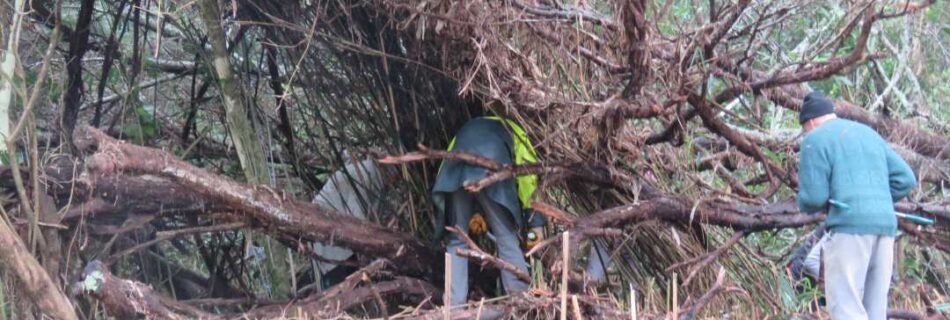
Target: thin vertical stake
[(293, 273), (481, 303), (676, 305), (447, 296), (633, 303), (577, 307), (565, 241)]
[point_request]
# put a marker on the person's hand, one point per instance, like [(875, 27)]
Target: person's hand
[(534, 237), (477, 224)]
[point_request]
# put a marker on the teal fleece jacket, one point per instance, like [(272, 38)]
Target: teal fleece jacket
[(850, 163)]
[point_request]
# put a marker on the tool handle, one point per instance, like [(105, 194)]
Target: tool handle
[(839, 204), (914, 218), (910, 217)]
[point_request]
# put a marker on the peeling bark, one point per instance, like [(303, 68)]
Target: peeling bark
[(896, 131), (925, 143), (267, 209), (783, 215), (33, 278), (125, 299), (121, 194)]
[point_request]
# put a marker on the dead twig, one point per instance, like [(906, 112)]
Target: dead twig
[(708, 258), (478, 254), (692, 308), (169, 235)]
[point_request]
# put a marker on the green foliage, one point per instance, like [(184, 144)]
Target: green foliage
[(233, 169), (115, 74), (55, 90), (31, 77), (144, 126), (810, 293), (146, 119)]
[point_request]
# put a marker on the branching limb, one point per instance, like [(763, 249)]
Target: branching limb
[(127, 299), (267, 209), (692, 308), (168, 235), (501, 172), (705, 260), (480, 255)]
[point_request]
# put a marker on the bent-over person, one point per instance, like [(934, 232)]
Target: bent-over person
[(505, 204)]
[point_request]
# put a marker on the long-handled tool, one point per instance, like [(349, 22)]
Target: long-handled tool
[(910, 217), (914, 218)]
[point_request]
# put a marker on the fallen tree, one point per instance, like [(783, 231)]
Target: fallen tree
[(129, 299), (267, 209), (272, 213), (666, 131)]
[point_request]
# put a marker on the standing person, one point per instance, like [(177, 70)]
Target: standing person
[(505, 204), (849, 164)]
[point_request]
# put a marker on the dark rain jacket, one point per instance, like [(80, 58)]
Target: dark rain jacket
[(502, 141)]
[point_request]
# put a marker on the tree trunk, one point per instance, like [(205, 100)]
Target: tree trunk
[(278, 215), (248, 146), (126, 299), (34, 281), (7, 66), (72, 98)]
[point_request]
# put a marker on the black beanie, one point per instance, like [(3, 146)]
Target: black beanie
[(815, 105)]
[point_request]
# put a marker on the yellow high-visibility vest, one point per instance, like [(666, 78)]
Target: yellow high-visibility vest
[(524, 154)]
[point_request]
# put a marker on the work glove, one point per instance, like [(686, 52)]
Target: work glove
[(533, 237), (477, 224)]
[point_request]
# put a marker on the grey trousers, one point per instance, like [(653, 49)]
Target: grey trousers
[(460, 207), (858, 275)]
